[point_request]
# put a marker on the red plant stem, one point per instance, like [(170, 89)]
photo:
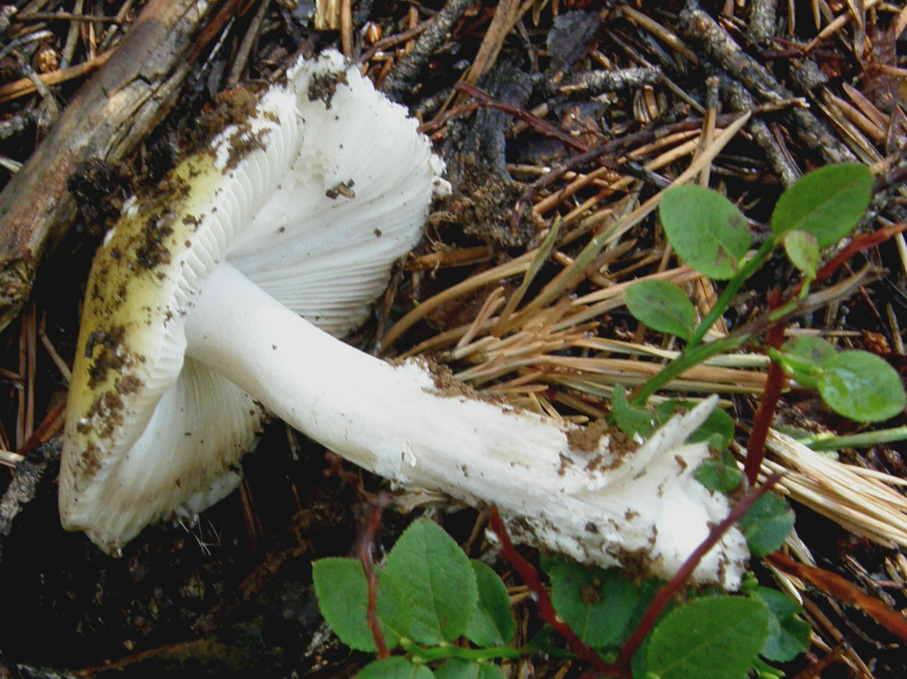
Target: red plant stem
[(771, 394), (669, 590), (543, 602), (337, 469), (858, 244), (817, 667), (774, 384), (366, 539), (364, 548)]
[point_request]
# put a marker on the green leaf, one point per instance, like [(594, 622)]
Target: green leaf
[(630, 419), (395, 606), (767, 524), (458, 668), (813, 349), (546, 640), (492, 625), (861, 386), (662, 306), (708, 232), (719, 477), (396, 667), (802, 250), (803, 358), (342, 592), (431, 568), (827, 203), (601, 606), (717, 430), (762, 670), (788, 634), (708, 639), (719, 424)]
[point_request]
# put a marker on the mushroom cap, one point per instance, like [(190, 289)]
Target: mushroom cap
[(313, 198), (356, 202)]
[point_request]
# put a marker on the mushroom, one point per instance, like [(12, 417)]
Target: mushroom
[(223, 292)]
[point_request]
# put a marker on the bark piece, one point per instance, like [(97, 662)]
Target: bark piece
[(111, 115)]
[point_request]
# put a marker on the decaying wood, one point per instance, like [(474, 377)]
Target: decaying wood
[(24, 486), (699, 26), (411, 66), (108, 119)]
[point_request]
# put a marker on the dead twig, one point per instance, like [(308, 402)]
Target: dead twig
[(25, 86), (407, 71), (698, 26), (108, 119)]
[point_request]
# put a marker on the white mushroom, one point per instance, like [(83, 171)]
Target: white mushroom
[(214, 295)]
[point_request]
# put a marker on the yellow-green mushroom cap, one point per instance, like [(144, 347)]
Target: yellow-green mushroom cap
[(300, 199), (148, 431)]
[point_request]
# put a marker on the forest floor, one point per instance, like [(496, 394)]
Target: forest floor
[(573, 112)]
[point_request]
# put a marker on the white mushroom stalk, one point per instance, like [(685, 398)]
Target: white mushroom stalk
[(210, 308), (600, 503)]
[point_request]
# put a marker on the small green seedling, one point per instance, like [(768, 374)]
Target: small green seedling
[(448, 617), (709, 234), (430, 599), (856, 384)]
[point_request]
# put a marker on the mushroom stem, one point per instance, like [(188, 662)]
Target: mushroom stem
[(391, 419), (597, 501)]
